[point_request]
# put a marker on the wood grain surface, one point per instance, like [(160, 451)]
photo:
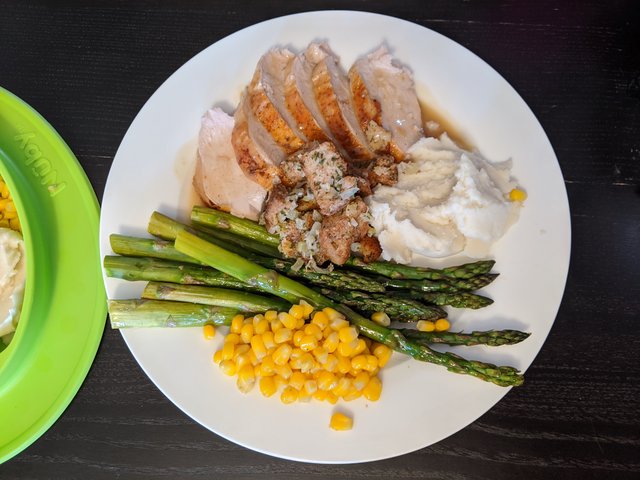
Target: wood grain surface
[(88, 67)]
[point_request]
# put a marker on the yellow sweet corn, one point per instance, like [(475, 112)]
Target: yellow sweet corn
[(341, 422), (442, 325), (209, 331), (304, 355), (517, 195)]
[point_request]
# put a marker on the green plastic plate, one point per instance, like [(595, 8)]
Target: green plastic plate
[(64, 310)]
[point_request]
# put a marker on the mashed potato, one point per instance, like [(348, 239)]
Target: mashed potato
[(447, 200), (12, 280)]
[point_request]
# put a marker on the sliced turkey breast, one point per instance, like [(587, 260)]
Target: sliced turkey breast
[(218, 178), (256, 151), (299, 96), (332, 93), (383, 92), (266, 94)]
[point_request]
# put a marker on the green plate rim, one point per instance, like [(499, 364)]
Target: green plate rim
[(94, 312)]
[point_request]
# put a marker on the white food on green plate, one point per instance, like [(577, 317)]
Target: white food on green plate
[(12, 279)]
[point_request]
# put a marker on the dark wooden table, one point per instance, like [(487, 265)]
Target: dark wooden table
[(89, 66)]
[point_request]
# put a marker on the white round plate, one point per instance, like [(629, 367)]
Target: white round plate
[(421, 403)]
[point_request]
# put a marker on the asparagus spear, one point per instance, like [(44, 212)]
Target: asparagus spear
[(243, 227), (220, 297), (147, 247), (450, 285), (149, 269), (455, 299), (396, 270), (246, 228), (269, 281), (492, 338), (158, 313), (398, 309)]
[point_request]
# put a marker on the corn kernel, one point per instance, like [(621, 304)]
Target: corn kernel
[(288, 320), (342, 387), (268, 386), (372, 363), (381, 318), (331, 342), (308, 363), (246, 333), (240, 349), (321, 320), (332, 398), (270, 315), (347, 334), (252, 357), (267, 367), (426, 326), (352, 394), (344, 364), (313, 330), (208, 331), (331, 364), (297, 380), (257, 345), (227, 351), (282, 354), (308, 342), (326, 381), (14, 224), (320, 395), (246, 378), (332, 313), (283, 335), (320, 354), (341, 422), (261, 326), (517, 195), (296, 353), (442, 325), (297, 337), (284, 371), (296, 311), (347, 349), (242, 360), (276, 325), (268, 340), (233, 338), (228, 367), (360, 347), (289, 395), (236, 324), (217, 357), (361, 380), (280, 382), (310, 387), (308, 308), (256, 319), (383, 353), (373, 389), (359, 362), (338, 323)]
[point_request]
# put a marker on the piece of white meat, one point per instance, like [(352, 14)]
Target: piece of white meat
[(333, 96), (266, 94), (384, 93), (218, 179)]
